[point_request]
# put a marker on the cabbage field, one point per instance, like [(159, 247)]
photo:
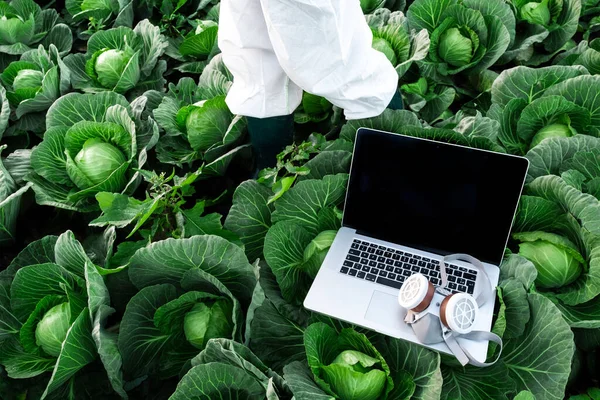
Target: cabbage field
[(139, 260)]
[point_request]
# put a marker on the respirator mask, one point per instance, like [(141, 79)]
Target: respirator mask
[(439, 315)]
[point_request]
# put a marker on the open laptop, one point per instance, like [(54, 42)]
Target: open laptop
[(411, 201)]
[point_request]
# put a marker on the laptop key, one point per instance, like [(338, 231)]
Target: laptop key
[(404, 259), (413, 261), (370, 250), (381, 259), (372, 263), (471, 284), (360, 275), (434, 273), (364, 261), (425, 271), (452, 278), (371, 277), (389, 261), (406, 266), (372, 257), (398, 264), (461, 281), (400, 278), (470, 290), (382, 273), (458, 274), (391, 275), (363, 248), (452, 286), (382, 248), (352, 272), (463, 269), (381, 265), (406, 273), (357, 266), (396, 256), (389, 268), (398, 270), (353, 258), (374, 271), (387, 254), (417, 257), (344, 270), (348, 263), (389, 282), (416, 269), (462, 288), (354, 252), (366, 269), (379, 252), (422, 263), (364, 254), (355, 245), (426, 259), (435, 281), (468, 276), (399, 252)]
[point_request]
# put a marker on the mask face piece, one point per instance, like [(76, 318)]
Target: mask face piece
[(437, 315)]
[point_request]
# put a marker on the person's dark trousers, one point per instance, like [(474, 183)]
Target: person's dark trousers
[(396, 103), (269, 136)]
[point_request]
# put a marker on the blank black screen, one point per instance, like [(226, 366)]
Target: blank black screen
[(433, 196)]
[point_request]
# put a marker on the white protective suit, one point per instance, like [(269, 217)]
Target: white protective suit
[(277, 48)]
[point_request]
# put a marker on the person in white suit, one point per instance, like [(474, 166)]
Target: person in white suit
[(275, 49)]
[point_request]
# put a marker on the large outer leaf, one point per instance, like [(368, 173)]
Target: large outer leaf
[(77, 351), (75, 107), (153, 45), (567, 25), (303, 202), (302, 384), (218, 380), (519, 268), (328, 163), (140, 341), (168, 260), (39, 252), (540, 360), (427, 14), (250, 216), (476, 383), (583, 91), (422, 364), (550, 155), (529, 83), (275, 330), (34, 282), (517, 312), (284, 252)]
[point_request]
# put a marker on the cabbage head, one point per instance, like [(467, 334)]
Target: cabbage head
[(556, 258), (353, 375), (51, 331), (121, 60), (91, 145), (35, 81), (207, 321)]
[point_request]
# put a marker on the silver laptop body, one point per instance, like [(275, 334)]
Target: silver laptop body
[(409, 202)]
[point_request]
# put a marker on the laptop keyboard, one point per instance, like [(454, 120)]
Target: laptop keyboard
[(392, 267)]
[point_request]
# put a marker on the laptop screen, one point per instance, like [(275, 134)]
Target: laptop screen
[(433, 196)]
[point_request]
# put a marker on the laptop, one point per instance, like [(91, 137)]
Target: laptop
[(409, 202)]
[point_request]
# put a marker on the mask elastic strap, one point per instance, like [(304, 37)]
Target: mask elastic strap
[(463, 355), (484, 295)]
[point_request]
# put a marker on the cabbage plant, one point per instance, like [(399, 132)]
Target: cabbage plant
[(198, 127), (557, 20), (24, 25), (92, 144), (120, 60), (199, 46), (533, 105), (101, 13), (467, 37), (36, 80), (202, 296), (392, 36), (53, 300), (347, 366)]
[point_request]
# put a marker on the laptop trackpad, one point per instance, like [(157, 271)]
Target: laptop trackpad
[(385, 310)]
